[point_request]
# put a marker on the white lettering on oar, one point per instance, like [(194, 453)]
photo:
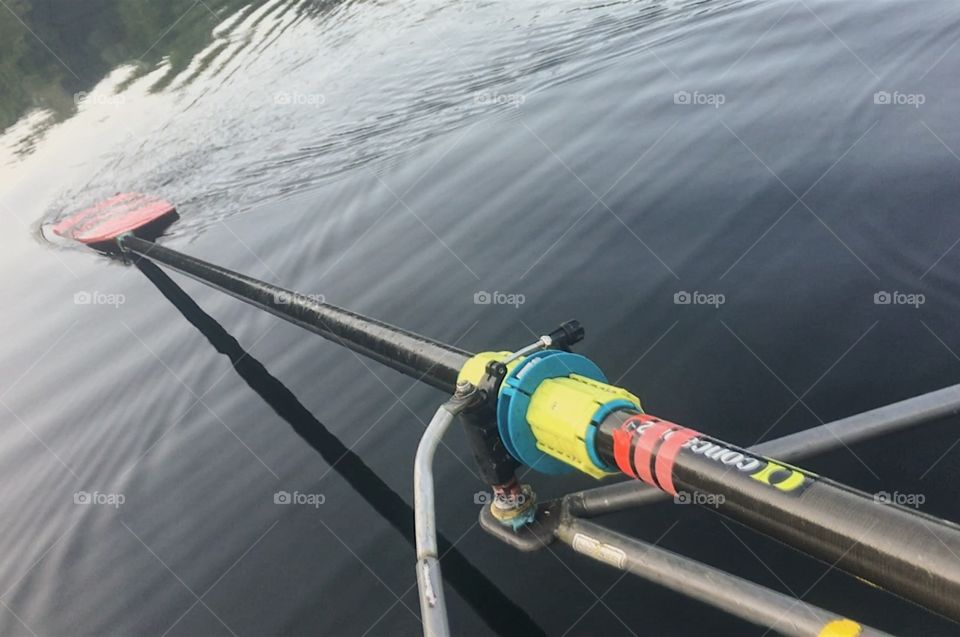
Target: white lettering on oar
[(782, 477)]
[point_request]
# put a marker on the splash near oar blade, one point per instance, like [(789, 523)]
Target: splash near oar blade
[(101, 224)]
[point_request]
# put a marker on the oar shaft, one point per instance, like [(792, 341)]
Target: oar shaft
[(901, 550), (417, 356), (846, 432)]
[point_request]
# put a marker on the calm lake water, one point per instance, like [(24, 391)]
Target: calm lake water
[(785, 166)]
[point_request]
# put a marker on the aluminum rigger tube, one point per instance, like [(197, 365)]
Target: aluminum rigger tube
[(735, 595), (905, 552), (433, 608), (417, 356)]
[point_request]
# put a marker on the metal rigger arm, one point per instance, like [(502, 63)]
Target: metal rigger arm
[(554, 411)]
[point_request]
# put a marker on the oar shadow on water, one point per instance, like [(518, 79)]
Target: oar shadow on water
[(499, 612)]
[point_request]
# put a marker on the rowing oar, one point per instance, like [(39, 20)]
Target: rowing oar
[(555, 412), (125, 220)]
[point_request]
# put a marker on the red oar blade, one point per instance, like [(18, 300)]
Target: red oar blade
[(107, 220)]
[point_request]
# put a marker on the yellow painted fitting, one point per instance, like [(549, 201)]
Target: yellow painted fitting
[(475, 367), (841, 628), (559, 415)]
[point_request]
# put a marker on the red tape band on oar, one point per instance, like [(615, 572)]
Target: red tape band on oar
[(652, 445), (623, 442), (645, 449), (621, 449), (667, 455)]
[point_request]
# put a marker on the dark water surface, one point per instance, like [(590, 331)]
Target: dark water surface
[(399, 158)]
